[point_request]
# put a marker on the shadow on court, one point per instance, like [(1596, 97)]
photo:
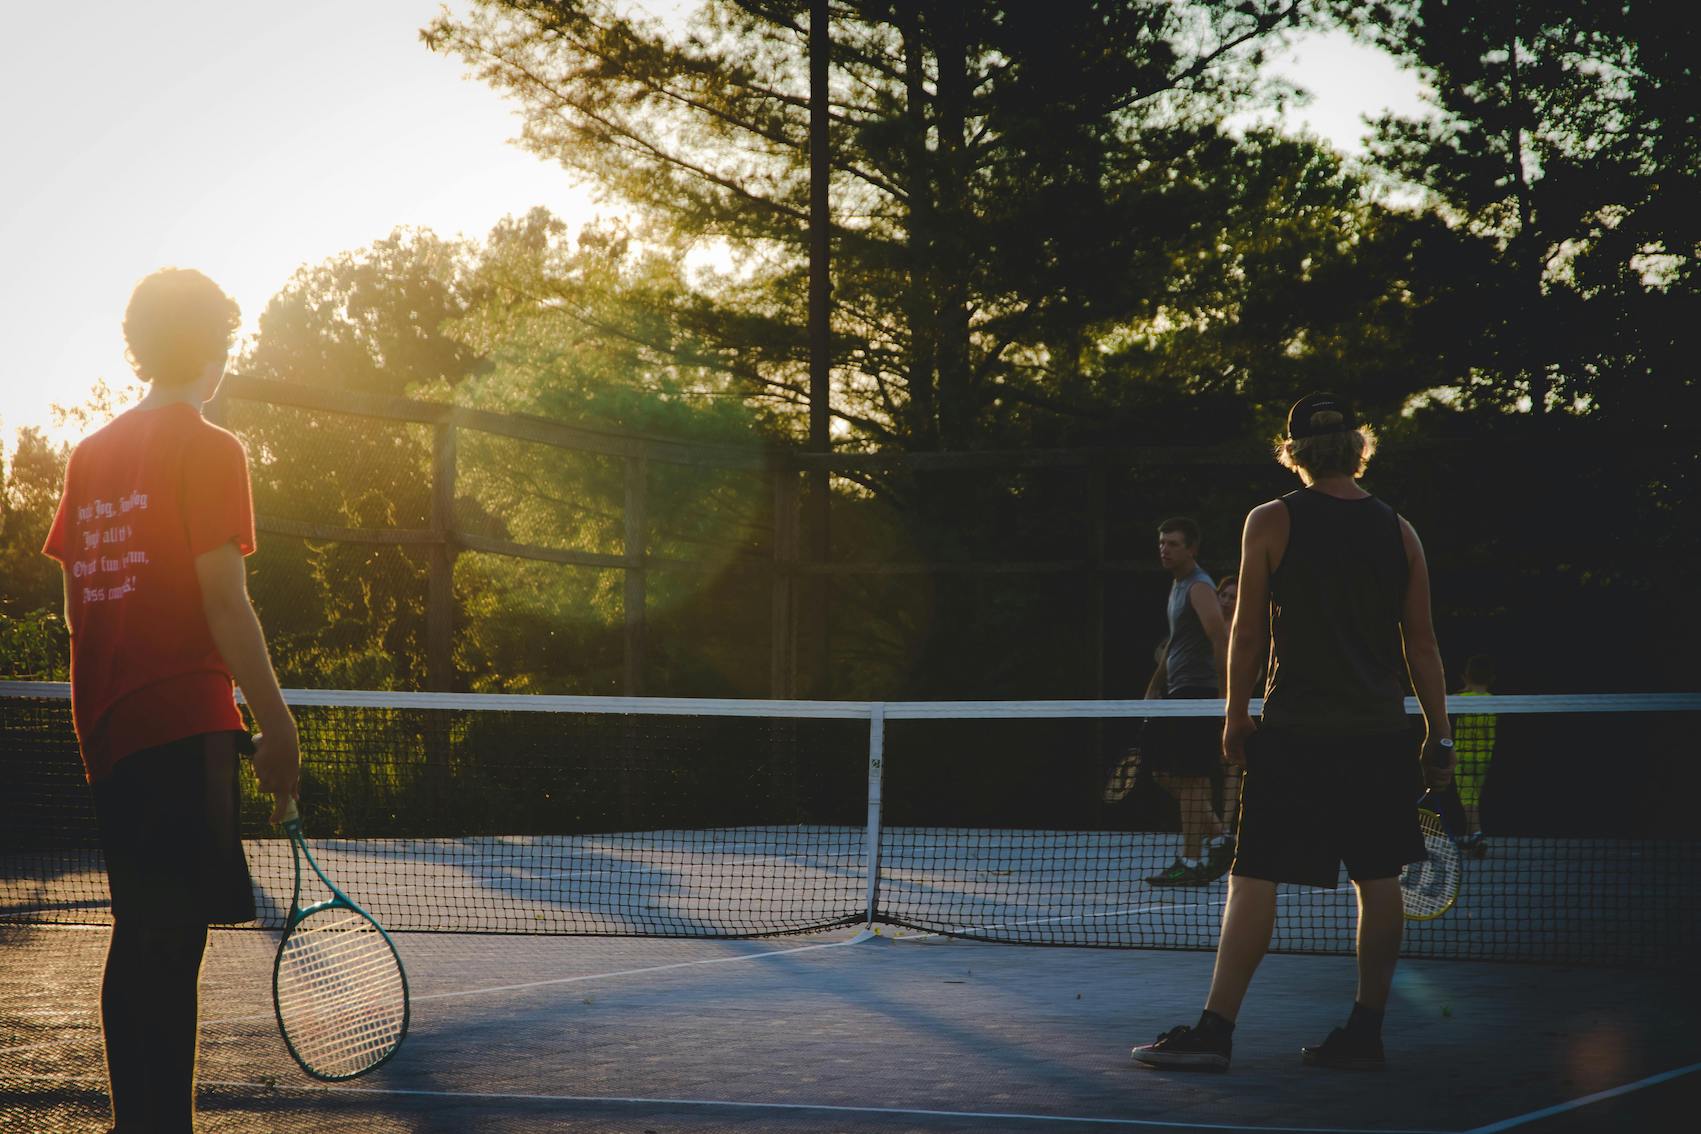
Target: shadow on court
[(921, 1034)]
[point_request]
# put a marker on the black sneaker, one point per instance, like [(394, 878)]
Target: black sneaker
[(1217, 861), (1185, 1049), (1345, 1050), (1179, 873)]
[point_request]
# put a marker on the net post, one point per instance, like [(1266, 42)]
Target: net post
[(876, 773)]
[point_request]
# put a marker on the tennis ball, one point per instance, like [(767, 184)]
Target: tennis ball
[(1446, 1010)]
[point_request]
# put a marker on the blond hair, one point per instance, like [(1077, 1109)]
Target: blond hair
[(1346, 453), (177, 322)]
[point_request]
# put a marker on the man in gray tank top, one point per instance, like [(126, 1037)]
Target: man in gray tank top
[(1183, 752), (1337, 582)]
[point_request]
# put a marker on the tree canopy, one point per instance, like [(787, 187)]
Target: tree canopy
[(1055, 226)]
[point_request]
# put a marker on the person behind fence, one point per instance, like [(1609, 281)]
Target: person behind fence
[(1340, 580), (1228, 590), (1473, 740), (1182, 751), (151, 531)]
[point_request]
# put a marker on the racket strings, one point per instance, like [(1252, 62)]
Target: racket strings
[(341, 995), (1429, 888), (344, 1035)]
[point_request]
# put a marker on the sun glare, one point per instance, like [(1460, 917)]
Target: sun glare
[(230, 141)]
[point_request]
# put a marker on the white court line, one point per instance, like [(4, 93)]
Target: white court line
[(529, 984), (635, 972), (1180, 907), (1586, 1100), (581, 978), (829, 1108), (967, 929)]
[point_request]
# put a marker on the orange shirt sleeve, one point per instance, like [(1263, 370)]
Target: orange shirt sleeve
[(217, 504)]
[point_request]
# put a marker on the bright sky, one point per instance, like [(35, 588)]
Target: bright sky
[(247, 138)]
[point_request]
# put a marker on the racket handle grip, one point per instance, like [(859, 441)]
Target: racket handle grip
[(290, 812)]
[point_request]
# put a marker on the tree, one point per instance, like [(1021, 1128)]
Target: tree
[(1046, 236), (578, 328), (369, 321), (1564, 135), (1004, 177), (33, 640), (29, 496), (528, 321), (1558, 301)]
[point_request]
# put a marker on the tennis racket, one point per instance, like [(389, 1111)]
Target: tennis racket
[(1429, 889), (338, 985), (1122, 777)]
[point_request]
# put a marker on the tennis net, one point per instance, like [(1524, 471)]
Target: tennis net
[(1028, 822)]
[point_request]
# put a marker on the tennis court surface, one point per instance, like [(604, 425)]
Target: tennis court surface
[(625, 920)]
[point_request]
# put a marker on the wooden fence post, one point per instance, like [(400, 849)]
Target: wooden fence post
[(637, 547), (1097, 475), (782, 672), (440, 600)]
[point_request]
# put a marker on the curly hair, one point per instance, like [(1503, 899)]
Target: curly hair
[(1346, 453), (177, 322)]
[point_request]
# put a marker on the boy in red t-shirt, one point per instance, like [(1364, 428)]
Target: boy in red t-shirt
[(151, 532)]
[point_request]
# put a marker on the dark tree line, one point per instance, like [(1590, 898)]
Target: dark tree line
[(1046, 236)]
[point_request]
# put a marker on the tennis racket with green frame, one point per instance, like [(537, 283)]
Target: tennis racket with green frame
[(338, 985)]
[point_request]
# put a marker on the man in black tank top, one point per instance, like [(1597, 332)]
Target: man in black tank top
[(1334, 584)]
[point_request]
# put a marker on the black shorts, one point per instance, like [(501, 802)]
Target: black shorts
[(1309, 803), (169, 830), (1184, 746)]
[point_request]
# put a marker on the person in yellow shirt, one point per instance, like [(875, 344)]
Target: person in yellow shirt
[(1473, 743)]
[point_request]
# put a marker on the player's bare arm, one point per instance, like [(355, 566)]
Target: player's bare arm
[(1423, 660), (1203, 599), (223, 576), (1263, 539)]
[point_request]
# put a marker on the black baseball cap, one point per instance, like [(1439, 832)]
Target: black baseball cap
[(1316, 414)]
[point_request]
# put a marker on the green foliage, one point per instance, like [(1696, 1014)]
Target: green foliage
[(1010, 186), (29, 496), (1045, 236), (1557, 274), (1563, 138), (529, 322), (34, 647), (370, 321)]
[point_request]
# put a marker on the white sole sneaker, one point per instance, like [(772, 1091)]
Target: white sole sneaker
[(1182, 1060)]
